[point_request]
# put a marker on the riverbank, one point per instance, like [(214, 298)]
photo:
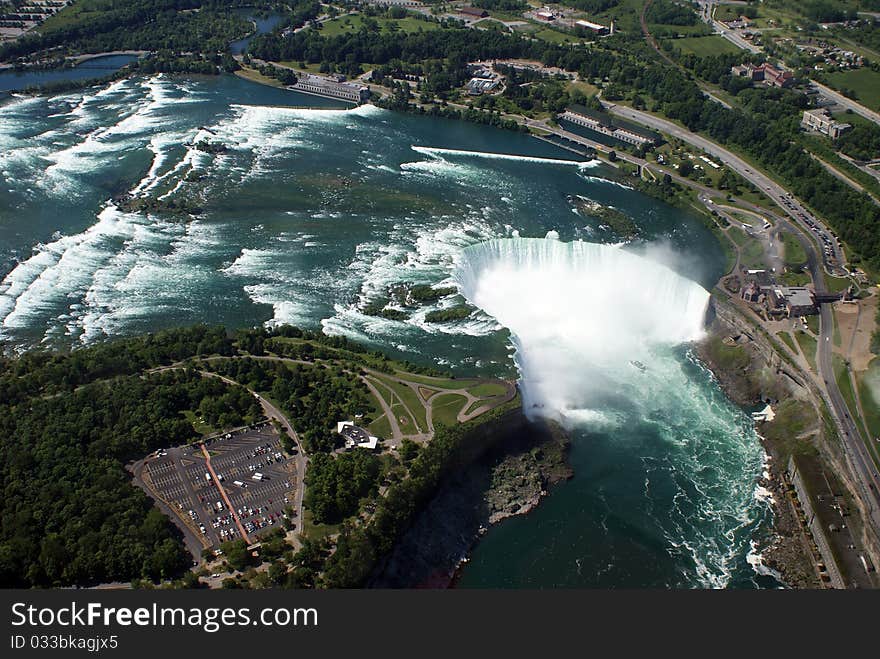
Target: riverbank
[(519, 463), (747, 373)]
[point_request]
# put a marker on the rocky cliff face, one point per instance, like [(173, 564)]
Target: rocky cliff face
[(508, 467)]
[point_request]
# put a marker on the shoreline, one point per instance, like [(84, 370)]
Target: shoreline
[(517, 467), (785, 552)]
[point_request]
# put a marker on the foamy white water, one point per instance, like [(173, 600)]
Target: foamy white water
[(576, 308)]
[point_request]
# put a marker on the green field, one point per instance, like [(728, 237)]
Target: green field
[(865, 82), (355, 22), (841, 374), (488, 389), (837, 284), (553, 36), (808, 347), (869, 394), (409, 398), (82, 11), (794, 252), (704, 46), (785, 337), (446, 408), (380, 427)]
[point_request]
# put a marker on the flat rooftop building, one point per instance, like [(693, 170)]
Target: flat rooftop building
[(355, 436), (792, 300), (334, 88), (617, 128), (822, 121)]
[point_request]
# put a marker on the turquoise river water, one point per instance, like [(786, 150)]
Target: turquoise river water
[(312, 212)]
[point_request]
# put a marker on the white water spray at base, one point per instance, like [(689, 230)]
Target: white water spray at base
[(585, 318)]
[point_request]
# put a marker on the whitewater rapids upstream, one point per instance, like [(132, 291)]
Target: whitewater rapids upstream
[(114, 222)]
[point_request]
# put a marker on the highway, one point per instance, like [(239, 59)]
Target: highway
[(854, 448), (797, 211), (861, 462)]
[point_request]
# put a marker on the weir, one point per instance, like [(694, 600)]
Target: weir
[(583, 317)]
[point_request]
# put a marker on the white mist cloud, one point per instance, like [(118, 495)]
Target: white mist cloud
[(579, 314)]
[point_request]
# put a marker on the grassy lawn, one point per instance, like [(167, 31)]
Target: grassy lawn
[(312, 531), (410, 399), (488, 389), (813, 324), (837, 284), (864, 82), (446, 408), (704, 46), (808, 347), (553, 36), (380, 427), (785, 337), (791, 278), (585, 87), (752, 255), (794, 252), (199, 425), (82, 11), (869, 393), (255, 76), (738, 235), (355, 22), (841, 375)]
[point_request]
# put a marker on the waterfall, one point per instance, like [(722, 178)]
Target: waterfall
[(588, 321)]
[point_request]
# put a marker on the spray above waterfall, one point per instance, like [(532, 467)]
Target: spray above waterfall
[(587, 320)]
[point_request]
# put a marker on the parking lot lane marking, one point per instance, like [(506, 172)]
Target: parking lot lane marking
[(225, 496)]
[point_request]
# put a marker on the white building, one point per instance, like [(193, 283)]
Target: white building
[(822, 121), (355, 436), (321, 86)]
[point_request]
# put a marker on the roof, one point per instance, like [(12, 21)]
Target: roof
[(591, 25), (473, 11), (615, 122)]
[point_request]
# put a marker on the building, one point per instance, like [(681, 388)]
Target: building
[(334, 88), (822, 121), (474, 12), (751, 293), (792, 301), (617, 128), (545, 14), (765, 73), (595, 28), (355, 436), (760, 277), (478, 86), (737, 23)]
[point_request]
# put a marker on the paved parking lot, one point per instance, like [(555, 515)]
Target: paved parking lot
[(258, 479)]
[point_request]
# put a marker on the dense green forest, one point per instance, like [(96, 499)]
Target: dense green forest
[(69, 513), (72, 420), (337, 483), (862, 142), (314, 397), (666, 12), (199, 26)]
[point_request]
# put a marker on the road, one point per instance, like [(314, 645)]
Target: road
[(707, 13), (797, 211), (854, 448), (847, 103), (272, 412)]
